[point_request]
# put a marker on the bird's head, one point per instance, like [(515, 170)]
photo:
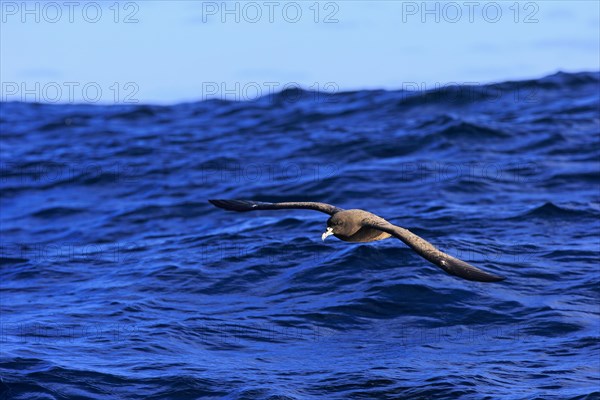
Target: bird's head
[(341, 225)]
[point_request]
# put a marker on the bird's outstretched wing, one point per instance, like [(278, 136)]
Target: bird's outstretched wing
[(251, 205), (450, 264)]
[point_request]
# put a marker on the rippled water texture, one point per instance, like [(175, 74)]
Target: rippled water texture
[(119, 280)]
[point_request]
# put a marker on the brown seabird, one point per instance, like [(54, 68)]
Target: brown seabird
[(363, 226)]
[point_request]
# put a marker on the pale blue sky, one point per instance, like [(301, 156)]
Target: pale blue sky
[(190, 50)]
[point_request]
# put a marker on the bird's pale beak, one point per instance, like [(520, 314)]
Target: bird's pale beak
[(328, 232)]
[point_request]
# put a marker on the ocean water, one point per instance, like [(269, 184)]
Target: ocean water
[(120, 281)]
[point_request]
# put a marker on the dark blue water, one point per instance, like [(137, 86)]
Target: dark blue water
[(120, 281)]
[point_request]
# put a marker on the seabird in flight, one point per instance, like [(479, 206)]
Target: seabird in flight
[(363, 226)]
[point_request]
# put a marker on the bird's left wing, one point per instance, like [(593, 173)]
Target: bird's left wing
[(251, 205), (450, 264)]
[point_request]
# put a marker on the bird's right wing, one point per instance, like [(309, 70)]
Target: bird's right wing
[(450, 264), (251, 205)]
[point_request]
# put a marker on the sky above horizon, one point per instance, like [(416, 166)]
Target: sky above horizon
[(167, 52)]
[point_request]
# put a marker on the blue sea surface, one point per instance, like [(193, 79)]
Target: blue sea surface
[(120, 281)]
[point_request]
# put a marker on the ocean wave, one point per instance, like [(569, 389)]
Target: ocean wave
[(120, 280)]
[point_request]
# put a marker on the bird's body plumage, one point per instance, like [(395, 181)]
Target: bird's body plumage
[(364, 233), (362, 226)]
